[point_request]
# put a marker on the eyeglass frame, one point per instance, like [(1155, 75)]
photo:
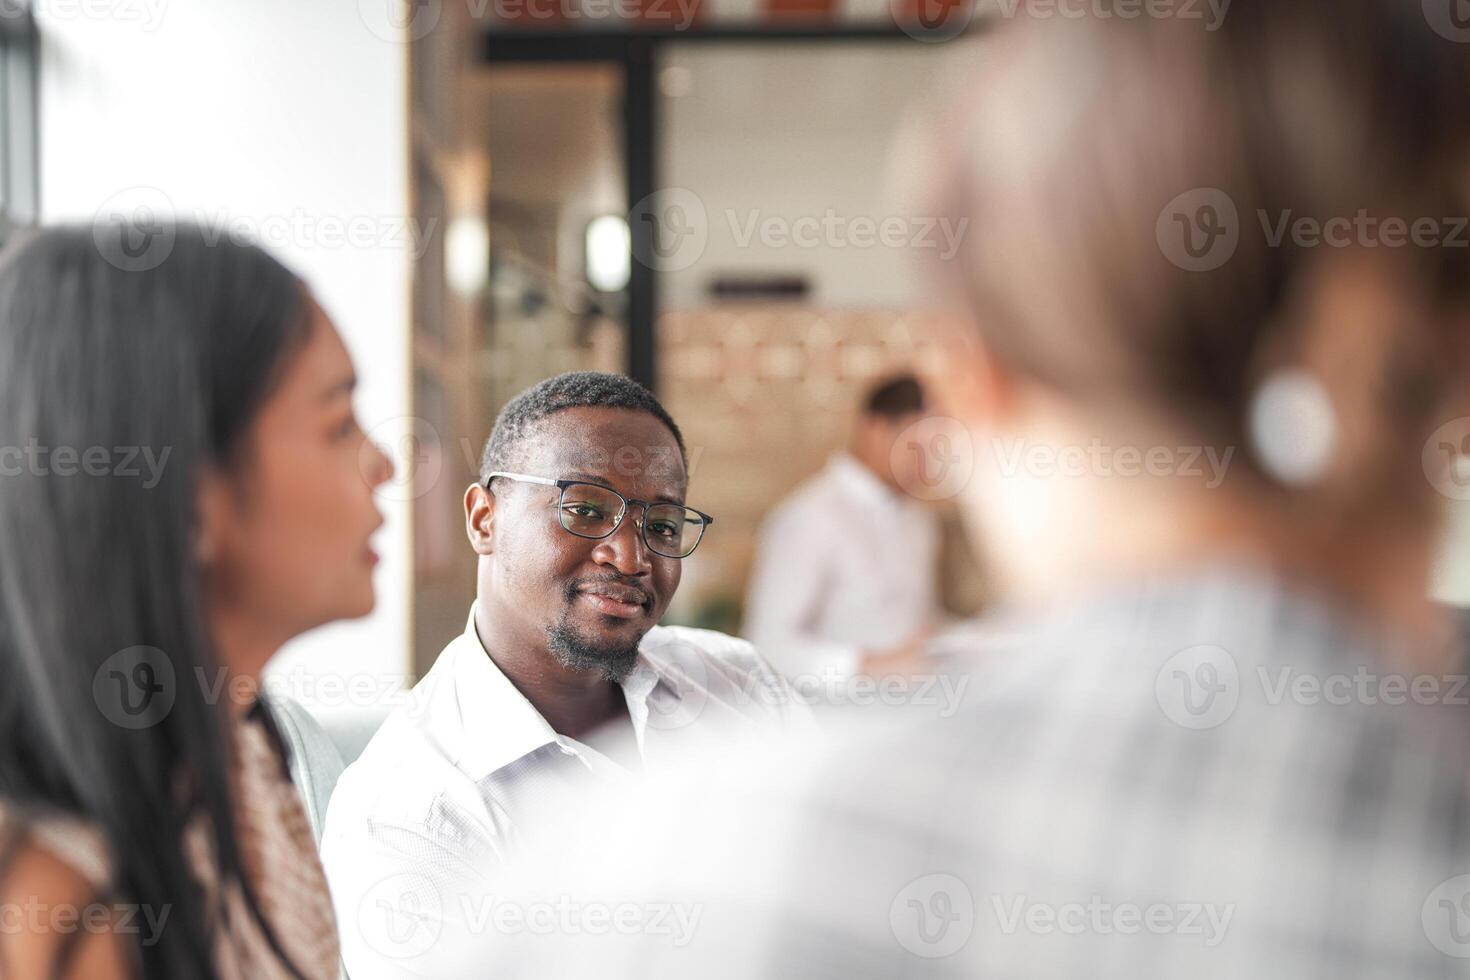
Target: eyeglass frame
[(561, 486)]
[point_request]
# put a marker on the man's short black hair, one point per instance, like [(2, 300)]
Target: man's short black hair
[(575, 389), (893, 399)]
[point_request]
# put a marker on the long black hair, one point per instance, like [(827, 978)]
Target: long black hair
[(130, 358)]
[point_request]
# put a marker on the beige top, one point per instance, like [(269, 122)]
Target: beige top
[(280, 857)]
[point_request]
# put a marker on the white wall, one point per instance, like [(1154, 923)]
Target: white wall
[(775, 133), (288, 117), (1452, 572)]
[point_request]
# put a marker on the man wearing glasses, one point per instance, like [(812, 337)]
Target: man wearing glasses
[(561, 681)]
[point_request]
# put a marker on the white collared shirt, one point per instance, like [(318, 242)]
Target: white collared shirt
[(843, 566), (462, 776)]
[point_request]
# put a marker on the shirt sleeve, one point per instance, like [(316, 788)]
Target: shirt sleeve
[(409, 902)]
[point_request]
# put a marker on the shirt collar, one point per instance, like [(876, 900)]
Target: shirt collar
[(498, 725), (859, 480)]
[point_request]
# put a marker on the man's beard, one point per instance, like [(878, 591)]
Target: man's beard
[(574, 650)]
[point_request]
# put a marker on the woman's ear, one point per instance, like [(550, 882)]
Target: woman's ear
[(479, 518), (968, 384)]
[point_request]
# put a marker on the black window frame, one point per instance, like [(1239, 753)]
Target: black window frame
[(20, 196)]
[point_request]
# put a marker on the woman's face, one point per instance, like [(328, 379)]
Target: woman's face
[(285, 535)]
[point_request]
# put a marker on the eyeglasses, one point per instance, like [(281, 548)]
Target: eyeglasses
[(590, 510)]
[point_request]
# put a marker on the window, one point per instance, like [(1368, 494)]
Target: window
[(19, 185)]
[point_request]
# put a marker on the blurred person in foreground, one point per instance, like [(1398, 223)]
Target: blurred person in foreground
[(1208, 740), (184, 488), (846, 568), (563, 680)]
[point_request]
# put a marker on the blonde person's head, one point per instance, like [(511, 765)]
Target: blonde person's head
[(1082, 151)]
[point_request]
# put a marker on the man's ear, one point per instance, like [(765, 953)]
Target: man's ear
[(479, 519)]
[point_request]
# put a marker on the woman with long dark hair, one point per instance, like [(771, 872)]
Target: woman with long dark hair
[(183, 488)]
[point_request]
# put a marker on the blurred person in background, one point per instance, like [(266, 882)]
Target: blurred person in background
[(562, 682), (1211, 739), (846, 569), (185, 488)]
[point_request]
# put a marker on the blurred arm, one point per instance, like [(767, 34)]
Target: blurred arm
[(793, 570)]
